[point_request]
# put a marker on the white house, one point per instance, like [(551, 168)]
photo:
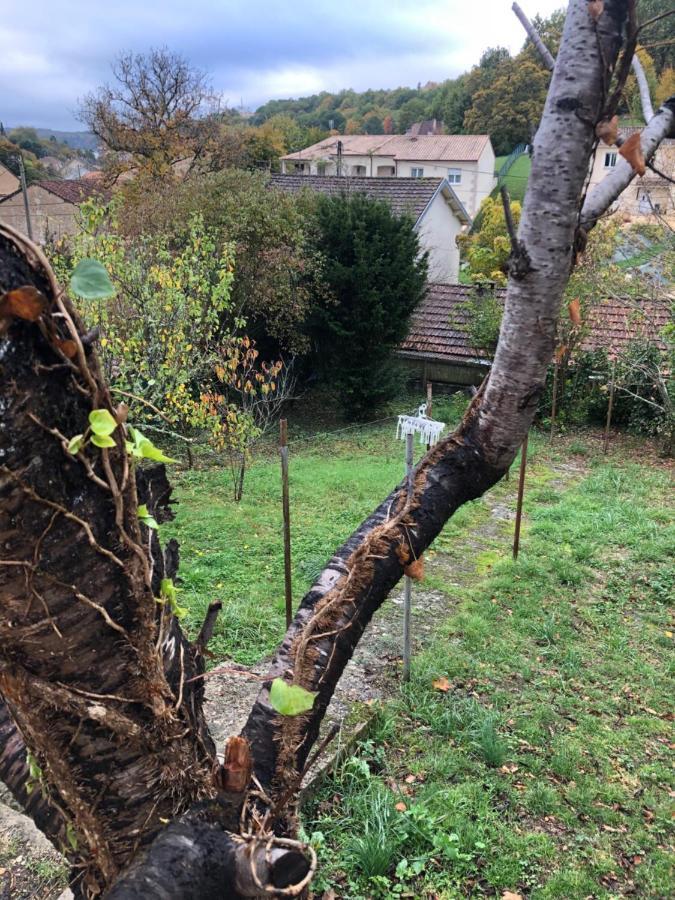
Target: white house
[(643, 196), (465, 161), (432, 203)]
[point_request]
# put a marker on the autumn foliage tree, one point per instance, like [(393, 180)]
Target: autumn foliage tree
[(158, 110)]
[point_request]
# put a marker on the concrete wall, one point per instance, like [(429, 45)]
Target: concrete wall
[(51, 217), (437, 231)]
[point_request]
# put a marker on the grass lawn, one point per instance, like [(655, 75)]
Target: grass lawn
[(517, 176), (545, 768), (234, 551)]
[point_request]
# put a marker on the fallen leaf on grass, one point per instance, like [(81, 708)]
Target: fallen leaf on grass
[(509, 895), (400, 807), (441, 684), (508, 768)]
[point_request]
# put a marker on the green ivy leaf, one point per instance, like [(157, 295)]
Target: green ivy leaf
[(146, 518), (91, 281), (75, 444), (71, 837), (141, 447), (290, 699), (102, 440), (102, 422)]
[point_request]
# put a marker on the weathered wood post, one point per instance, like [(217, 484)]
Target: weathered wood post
[(610, 406), (519, 504), (286, 512)]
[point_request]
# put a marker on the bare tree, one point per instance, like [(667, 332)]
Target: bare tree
[(96, 675), (159, 111)]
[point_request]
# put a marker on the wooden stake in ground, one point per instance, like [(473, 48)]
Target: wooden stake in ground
[(555, 397), (519, 505), (610, 405), (407, 581), (283, 451)]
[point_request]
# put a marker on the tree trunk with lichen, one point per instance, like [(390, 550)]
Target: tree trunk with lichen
[(96, 675)]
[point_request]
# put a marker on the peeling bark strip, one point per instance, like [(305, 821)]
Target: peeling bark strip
[(91, 666)]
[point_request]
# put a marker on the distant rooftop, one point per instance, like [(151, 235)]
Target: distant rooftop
[(445, 147), (439, 326), (405, 196)]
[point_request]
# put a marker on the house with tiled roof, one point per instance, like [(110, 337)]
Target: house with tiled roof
[(8, 181), (438, 347), (53, 207), (431, 203), (466, 161)]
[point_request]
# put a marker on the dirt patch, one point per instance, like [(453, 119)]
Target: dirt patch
[(30, 867)]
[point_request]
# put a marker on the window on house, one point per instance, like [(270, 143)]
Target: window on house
[(358, 170), (416, 173), (455, 176), (321, 168), (610, 160)]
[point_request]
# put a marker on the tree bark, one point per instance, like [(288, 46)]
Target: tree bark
[(643, 87), (334, 613), (92, 669)]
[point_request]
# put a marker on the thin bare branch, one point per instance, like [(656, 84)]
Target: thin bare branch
[(532, 33)]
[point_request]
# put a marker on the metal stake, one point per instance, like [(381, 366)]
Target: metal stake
[(285, 504), (407, 581)]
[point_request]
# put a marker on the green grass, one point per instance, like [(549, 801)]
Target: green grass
[(234, 551), (517, 176), (547, 767)]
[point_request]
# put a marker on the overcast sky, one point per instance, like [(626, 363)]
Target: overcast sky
[(55, 51)]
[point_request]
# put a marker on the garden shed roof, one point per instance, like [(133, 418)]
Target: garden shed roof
[(439, 327)]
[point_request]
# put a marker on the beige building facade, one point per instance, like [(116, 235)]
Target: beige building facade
[(644, 196), (53, 207), (466, 162)]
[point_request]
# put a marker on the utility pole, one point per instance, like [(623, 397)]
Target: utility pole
[(24, 190)]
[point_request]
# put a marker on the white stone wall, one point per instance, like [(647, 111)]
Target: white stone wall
[(437, 232), (51, 217)]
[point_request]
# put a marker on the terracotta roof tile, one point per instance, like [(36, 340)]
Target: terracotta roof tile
[(438, 328), (75, 191), (405, 196)]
